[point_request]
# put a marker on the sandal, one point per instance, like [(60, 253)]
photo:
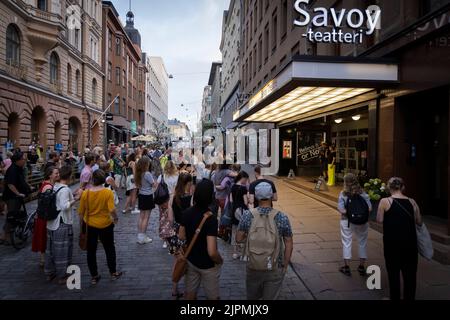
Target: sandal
[(177, 295), (95, 280), (362, 271), (346, 270), (115, 276)]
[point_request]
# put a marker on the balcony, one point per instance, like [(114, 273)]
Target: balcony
[(43, 30), (15, 70)]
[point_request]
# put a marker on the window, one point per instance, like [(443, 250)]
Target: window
[(12, 45), (77, 38), (117, 106), (124, 107), (255, 57), (118, 47), (118, 76), (140, 97), (130, 90), (274, 31), (109, 99), (266, 43), (94, 91), (78, 83), (94, 14), (42, 5), (109, 39), (69, 78), (109, 71), (284, 22), (124, 82), (54, 68), (255, 24), (260, 50)]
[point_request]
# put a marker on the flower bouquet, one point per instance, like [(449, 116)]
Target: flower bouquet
[(376, 189)]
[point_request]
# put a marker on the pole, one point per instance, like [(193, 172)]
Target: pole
[(106, 110)]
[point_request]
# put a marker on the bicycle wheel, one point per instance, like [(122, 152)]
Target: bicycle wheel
[(18, 240)]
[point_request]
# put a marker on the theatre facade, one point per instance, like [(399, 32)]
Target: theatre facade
[(384, 103)]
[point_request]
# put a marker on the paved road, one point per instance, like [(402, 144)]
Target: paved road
[(147, 271)]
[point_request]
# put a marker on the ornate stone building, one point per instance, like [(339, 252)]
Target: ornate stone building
[(50, 73)]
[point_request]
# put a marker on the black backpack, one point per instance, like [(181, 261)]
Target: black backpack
[(162, 194), (357, 210), (46, 209)]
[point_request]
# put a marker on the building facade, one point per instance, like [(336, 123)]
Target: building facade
[(157, 96), (50, 73), (379, 115), (206, 107), (179, 131), (215, 81), (124, 76), (229, 47)]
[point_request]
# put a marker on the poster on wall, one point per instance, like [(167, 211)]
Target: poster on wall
[(287, 149), (309, 146)]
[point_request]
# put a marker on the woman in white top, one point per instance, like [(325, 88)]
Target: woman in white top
[(166, 229), (58, 256)]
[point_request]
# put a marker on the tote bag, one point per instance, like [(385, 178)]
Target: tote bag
[(424, 242)]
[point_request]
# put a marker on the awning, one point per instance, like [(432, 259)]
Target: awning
[(115, 128), (309, 84)]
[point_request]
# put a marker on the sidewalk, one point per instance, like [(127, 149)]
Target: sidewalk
[(318, 253)]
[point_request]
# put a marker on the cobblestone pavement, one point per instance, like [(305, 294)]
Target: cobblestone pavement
[(147, 271), (313, 275)]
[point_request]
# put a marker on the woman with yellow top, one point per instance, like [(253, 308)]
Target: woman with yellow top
[(98, 211)]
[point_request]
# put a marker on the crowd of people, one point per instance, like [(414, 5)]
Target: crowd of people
[(238, 211)]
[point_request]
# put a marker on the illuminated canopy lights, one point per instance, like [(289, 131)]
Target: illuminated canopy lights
[(302, 100)]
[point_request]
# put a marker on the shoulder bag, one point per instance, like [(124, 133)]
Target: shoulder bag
[(424, 242), (84, 227), (180, 266)]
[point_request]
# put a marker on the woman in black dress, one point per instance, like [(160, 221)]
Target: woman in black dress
[(182, 200), (400, 215), (239, 198)]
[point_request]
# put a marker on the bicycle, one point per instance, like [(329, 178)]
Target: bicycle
[(22, 226)]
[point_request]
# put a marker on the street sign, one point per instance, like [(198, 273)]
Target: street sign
[(109, 117)]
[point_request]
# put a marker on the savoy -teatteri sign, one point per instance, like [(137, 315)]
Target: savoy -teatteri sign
[(364, 23)]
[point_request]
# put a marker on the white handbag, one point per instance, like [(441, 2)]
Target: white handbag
[(424, 242)]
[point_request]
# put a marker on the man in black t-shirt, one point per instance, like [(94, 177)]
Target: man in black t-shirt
[(253, 202), (16, 189)]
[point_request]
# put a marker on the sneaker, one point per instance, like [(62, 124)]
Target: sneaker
[(148, 240), (124, 211), (165, 245), (236, 256), (135, 211)]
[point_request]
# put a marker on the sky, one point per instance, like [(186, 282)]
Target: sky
[(187, 35)]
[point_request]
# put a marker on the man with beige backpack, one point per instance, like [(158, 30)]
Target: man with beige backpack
[(267, 234)]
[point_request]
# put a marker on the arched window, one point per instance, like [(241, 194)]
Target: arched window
[(94, 91), (54, 68), (69, 78), (12, 45), (78, 83)]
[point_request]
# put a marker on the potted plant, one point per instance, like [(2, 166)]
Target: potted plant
[(376, 190)]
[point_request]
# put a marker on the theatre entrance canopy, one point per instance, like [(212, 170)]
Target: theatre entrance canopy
[(309, 86)]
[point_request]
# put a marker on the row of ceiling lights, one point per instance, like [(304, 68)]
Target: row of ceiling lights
[(355, 118)]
